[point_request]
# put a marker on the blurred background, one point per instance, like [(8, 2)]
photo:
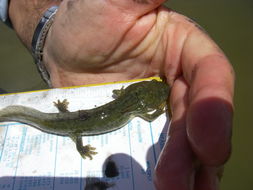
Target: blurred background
[(229, 23)]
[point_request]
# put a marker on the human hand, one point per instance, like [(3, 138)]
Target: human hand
[(101, 41)]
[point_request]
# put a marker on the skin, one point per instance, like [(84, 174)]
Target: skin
[(111, 40), (134, 101)]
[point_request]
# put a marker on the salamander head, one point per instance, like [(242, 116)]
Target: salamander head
[(151, 94)]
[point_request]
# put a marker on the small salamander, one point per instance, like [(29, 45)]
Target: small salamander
[(146, 99)]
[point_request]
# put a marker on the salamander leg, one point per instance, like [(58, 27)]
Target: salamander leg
[(154, 115), (62, 106), (151, 117), (117, 92), (85, 151)]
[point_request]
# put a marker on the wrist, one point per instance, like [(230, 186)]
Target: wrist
[(38, 41), (25, 15)]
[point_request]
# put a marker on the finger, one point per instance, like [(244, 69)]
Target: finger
[(209, 117), (137, 7), (175, 167), (208, 178)]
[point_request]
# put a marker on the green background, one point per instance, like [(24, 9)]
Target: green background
[(229, 23)]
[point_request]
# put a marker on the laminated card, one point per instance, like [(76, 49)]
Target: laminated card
[(34, 160)]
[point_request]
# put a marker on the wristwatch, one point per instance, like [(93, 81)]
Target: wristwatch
[(38, 41)]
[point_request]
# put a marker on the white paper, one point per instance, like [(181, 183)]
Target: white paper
[(34, 160)]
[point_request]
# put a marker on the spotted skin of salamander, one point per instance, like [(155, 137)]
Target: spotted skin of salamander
[(146, 99)]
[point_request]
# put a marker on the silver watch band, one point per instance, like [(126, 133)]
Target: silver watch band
[(38, 41)]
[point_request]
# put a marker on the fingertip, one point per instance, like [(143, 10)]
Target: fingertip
[(175, 167), (174, 171), (209, 130), (208, 178)]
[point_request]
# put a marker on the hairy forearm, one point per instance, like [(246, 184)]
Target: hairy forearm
[(25, 15)]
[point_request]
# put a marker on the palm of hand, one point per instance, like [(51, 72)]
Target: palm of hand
[(104, 36)]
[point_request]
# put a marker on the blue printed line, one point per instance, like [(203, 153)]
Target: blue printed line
[(56, 148), (81, 173), (20, 148), (22, 142), (152, 139), (4, 142), (131, 160)]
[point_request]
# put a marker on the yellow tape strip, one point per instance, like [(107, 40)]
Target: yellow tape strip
[(100, 84)]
